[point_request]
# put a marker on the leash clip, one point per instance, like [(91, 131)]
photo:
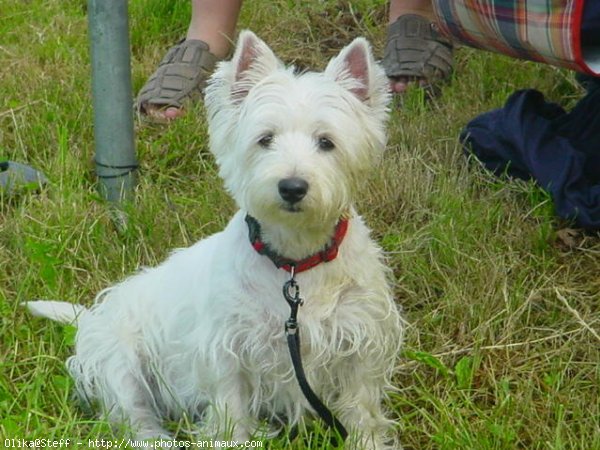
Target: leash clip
[(291, 293)]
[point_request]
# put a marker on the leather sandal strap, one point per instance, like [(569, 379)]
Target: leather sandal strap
[(415, 49), (181, 76)]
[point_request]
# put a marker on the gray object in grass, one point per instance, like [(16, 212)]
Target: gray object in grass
[(16, 176)]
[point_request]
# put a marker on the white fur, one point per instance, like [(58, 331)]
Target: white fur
[(203, 333), (59, 311)]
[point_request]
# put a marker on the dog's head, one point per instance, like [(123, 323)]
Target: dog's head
[(293, 148)]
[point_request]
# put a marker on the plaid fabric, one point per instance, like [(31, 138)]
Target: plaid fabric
[(546, 31)]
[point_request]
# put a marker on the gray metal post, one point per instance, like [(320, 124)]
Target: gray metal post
[(116, 163)]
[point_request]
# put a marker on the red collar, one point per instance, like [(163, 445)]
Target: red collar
[(328, 253)]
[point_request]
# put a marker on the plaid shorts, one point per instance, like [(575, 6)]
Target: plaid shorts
[(547, 31)]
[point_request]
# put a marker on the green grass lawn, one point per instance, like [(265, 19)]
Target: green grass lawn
[(502, 348)]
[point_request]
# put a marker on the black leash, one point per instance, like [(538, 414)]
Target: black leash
[(291, 293)]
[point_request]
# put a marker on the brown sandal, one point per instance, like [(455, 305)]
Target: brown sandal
[(415, 49), (180, 77)]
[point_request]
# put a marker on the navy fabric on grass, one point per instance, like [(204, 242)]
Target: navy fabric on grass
[(532, 138), (590, 23)]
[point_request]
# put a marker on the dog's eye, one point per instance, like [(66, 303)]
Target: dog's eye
[(326, 144), (266, 140)]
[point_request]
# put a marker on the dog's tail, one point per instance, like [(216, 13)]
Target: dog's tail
[(62, 312)]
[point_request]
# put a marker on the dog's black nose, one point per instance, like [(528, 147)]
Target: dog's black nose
[(292, 190)]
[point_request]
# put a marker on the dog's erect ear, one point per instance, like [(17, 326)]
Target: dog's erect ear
[(252, 61), (352, 68)]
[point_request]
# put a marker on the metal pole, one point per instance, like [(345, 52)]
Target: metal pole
[(116, 163)]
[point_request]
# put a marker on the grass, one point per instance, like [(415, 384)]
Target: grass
[(502, 350)]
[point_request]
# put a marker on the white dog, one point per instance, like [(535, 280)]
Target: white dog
[(203, 333)]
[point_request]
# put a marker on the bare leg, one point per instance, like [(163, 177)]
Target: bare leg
[(214, 23), (420, 7)]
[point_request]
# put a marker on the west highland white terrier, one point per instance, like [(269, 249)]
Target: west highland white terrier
[(202, 334)]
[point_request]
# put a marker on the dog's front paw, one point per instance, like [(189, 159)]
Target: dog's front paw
[(375, 443)]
